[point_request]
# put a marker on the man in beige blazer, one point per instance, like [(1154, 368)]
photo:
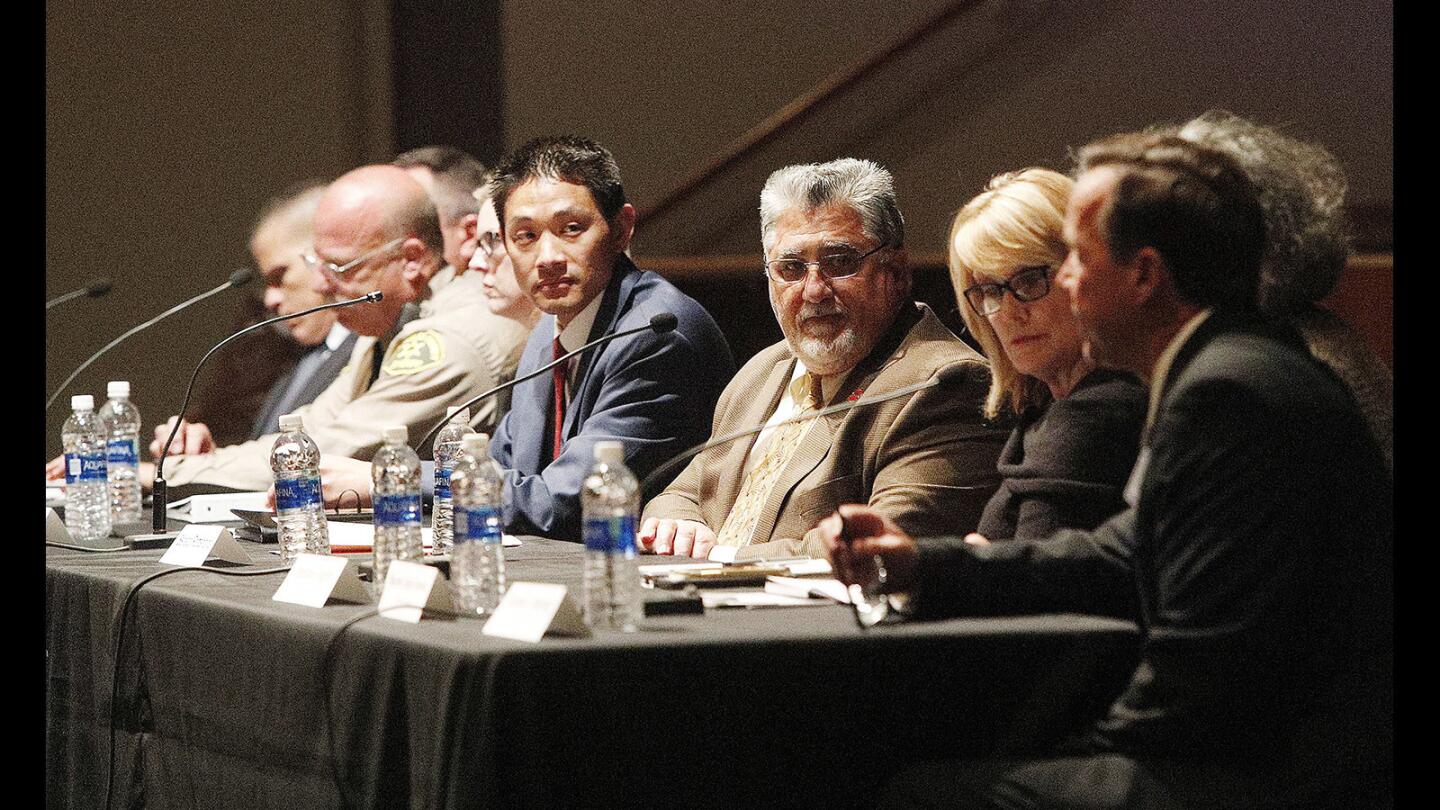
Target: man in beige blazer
[(840, 288)]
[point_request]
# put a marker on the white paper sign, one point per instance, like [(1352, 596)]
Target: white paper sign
[(315, 578), (410, 587), (55, 531), (196, 544), (529, 609)]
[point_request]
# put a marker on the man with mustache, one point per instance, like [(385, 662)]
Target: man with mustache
[(566, 226), (840, 288)]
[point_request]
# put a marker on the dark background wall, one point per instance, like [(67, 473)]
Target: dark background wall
[(168, 124)]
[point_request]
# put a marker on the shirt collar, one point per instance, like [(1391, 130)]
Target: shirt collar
[(578, 331), (336, 337), (1167, 358)]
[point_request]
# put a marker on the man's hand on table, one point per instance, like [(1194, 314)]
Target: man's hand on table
[(55, 468), (682, 538), (191, 439), (870, 534), (339, 475), (145, 472)]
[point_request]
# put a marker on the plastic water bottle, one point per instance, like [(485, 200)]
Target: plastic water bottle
[(447, 444), (122, 452), (610, 498), (299, 507), (87, 496), (395, 485), (477, 566)]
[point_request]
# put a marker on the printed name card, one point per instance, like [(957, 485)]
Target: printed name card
[(315, 578), (55, 531), (196, 544), (529, 609), (410, 587)]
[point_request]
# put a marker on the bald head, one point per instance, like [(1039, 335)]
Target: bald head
[(381, 201), (378, 226)]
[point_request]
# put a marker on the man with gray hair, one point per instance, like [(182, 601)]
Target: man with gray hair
[(834, 245)]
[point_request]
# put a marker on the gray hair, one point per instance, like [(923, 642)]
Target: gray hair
[(861, 184), (1301, 189)]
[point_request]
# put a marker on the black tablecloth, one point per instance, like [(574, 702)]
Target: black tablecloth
[(222, 701)]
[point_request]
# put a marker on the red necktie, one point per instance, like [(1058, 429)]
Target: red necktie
[(559, 373)]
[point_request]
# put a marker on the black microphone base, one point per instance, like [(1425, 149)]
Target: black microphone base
[(144, 541)]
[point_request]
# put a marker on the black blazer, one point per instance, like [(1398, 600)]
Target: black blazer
[(267, 421), (1257, 562)]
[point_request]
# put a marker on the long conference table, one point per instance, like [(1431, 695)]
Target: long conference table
[(226, 698)]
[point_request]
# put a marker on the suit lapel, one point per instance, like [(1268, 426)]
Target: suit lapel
[(816, 444), (614, 303)]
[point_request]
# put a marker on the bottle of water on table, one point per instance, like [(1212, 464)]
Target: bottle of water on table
[(610, 499), (299, 507), (87, 496), (477, 565), (122, 452), (395, 487), (447, 445)]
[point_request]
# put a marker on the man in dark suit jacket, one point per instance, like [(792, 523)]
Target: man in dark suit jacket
[(566, 226), (1256, 552)]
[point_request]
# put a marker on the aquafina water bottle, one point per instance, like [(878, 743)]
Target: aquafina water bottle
[(477, 565), (447, 445), (87, 499), (395, 488), (299, 507), (122, 452), (610, 500)]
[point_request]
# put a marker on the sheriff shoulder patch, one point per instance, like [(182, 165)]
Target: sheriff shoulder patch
[(415, 352)]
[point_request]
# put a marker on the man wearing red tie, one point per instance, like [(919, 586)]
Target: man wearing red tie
[(566, 226)]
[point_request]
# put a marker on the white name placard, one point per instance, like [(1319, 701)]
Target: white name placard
[(316, 578), (410, 587), (197, 543), (55, 531), (530, 609)]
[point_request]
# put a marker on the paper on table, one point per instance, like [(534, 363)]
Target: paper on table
[(360, 536), (215, 508), (790, 586), (730, 598)]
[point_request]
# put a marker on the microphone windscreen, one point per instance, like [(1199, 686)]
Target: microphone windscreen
[(98, 287), (664, 322), (241, 277)]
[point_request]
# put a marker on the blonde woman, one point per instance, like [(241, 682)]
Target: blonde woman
[(1077, 428)]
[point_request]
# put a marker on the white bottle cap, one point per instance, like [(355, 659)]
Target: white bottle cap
[(118, 389), (291, 421), (395, 434), (477, 444), (610, 452), (82, 402)]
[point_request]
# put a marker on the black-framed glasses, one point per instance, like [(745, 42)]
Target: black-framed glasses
[(490, 242), (317, 264), (833, 266), (1030, 284)]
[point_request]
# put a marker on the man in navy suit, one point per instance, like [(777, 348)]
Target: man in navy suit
[(566, 226), (1256, 552)]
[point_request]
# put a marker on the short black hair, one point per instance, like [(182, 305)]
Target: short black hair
[(456, 173), (1193, 205), (569, 158)]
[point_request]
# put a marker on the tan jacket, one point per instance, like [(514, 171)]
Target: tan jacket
[(456, 349), (926, 460)]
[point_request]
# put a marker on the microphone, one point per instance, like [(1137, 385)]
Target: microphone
[(94, 289), (660, 324), (157, 522), (238, 278), (946, 377)]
